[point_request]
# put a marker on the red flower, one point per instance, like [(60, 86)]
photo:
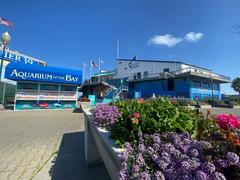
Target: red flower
[(225, 121), (136, 115)]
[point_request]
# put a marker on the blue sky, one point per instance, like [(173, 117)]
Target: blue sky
[(67, 33)]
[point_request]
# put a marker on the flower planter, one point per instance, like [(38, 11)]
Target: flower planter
[(99, 148), (85, 105), (205, 106), (236, 106)]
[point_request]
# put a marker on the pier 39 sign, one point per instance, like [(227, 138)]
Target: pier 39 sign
[(14, 56), (43, 74)]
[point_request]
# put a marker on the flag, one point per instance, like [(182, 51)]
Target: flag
[(6, 22), (93, 65)]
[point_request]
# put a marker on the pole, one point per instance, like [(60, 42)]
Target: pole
[(83, 78), (91, 72), (117, 49), (99, 66), (212, 88), (2, 59)]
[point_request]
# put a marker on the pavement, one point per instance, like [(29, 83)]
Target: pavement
[(215, 111), (44, 145)]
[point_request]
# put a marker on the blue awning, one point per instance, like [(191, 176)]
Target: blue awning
[(22, 72)]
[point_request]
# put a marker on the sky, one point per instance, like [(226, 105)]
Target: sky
[(67, 33)]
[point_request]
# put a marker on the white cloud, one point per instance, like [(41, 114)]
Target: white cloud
[(193, 37), (167, 40)]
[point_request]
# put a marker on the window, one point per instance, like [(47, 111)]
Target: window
[(139, 75), (49, 87), (196, 84), (170, 84), (68, 88), (166, 70), (206, 85), (27, 86), (145, 74)]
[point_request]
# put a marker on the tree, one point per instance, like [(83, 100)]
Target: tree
[(236, 85)]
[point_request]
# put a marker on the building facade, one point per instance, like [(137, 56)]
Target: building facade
[(145, 78)]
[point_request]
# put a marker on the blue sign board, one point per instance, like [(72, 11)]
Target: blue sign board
[(92, 99), (23, 72), (17, 58)]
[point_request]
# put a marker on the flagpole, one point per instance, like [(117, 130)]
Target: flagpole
[(99, 65), (91, 73), (84, 71)]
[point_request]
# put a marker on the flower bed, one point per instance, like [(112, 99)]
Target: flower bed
[(163, 140)]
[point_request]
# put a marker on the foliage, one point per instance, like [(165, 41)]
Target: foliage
[(105, 115), (236, 85), (155, 115), (173, 156)]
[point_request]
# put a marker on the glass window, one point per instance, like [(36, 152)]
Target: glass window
[(49, 87), (68, 88), (206, 85), (139, 75), (166, 70), (196, 83), (27, 86), (145, 74)]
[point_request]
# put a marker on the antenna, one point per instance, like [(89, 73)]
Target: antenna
[(117, 49)]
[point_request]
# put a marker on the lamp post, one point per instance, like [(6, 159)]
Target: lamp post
[(5, 40)]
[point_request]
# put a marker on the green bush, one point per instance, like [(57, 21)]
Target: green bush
[(155, 115)]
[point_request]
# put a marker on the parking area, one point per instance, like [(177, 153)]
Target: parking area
[(30, 139)]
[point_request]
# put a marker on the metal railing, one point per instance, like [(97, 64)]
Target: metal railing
[(192, 70)]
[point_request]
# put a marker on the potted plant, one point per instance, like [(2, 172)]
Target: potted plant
[(85, 103)]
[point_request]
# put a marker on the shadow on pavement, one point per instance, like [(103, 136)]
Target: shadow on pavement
[(77, 110), (70, 163)]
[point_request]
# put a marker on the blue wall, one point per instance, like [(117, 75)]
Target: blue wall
[(183, 87)]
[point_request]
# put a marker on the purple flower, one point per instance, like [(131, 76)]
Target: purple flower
[(156, 146), (128, 146), (232, 158), (162, 164), (158, 175), (209, 167), (195, 163), (156, 138), (135, 168), (193, 152), (150, 150), (145, 176), (140, 160), (141, 148), (185, 166), (201, 175), (218, 176), (122, 175), (169, 148), (222, 163)]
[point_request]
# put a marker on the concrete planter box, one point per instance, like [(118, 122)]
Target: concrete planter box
[(205, 106), (236, 107), (99, 148), (85, 105)]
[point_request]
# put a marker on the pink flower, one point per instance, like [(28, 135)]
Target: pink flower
[(225, 121), (136, 115)]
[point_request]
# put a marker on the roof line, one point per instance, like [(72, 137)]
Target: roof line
[(179, 62)]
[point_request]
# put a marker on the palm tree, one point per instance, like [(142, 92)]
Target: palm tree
[(236, 85)]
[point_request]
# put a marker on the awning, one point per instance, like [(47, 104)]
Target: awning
[(22, 72)]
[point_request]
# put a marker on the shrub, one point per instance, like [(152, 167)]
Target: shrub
[(105, 115), (155, 115), (173, 156)]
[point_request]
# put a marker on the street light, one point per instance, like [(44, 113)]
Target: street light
[(5, 40)]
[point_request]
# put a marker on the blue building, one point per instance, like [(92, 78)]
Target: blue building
[(145, 78)]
